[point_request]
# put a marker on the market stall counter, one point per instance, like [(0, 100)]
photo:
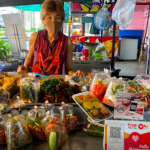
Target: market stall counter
[(76, 141)]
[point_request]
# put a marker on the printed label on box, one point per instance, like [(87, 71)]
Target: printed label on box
[(130, 106), (126, 135)]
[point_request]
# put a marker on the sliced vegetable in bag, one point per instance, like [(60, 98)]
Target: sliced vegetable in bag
[(114, 87), (99, 85)]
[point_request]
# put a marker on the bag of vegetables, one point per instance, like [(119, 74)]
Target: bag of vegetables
[(70, 121), (115, 86), (17, 133), (99, 85), (34, 121), (30, 89), (2, 131), (55, 131)]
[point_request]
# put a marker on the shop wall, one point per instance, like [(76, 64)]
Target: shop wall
[(134, 34)]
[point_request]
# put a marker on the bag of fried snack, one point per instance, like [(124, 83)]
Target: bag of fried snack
[(55, 130), (70, 120), (17, 133), (2, 130), (34, 121), (10, 85)]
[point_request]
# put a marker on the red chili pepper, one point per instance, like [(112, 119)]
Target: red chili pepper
[(16, 130)]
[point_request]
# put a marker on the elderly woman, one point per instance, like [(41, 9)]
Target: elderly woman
[(50, 49)]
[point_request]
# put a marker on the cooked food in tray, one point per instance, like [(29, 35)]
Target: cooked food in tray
[(92, 106)]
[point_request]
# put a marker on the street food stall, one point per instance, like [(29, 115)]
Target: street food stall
[(97, 111)]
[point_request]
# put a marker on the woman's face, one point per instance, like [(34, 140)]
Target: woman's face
[(52, 22)]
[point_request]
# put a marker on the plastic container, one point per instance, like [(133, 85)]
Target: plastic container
[(92, 107), (85, 54)]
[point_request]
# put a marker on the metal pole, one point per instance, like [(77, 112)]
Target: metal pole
[(101, 36), (113, 45)]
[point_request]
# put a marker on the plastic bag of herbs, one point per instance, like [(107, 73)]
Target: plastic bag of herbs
[(70, 120), (55, 130), (30, 89), (17, 133), (34, 121)]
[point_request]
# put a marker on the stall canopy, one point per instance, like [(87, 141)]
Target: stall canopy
[(37, 7), (4, 3)]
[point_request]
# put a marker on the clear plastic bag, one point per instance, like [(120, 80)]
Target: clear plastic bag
[(17, 133), (70, 120), (50, 107), (142, 83), (55, 131), (34, 121), (2, 130), (99, 84), (4, 95), (123, 12), (4, 107), (100, 48), (115, 86), (30, 89), (18, 103)]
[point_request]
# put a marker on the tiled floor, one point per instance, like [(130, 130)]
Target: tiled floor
[(130, 68)]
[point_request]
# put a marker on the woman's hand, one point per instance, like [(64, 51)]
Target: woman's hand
[(79, 73), (22, 69)]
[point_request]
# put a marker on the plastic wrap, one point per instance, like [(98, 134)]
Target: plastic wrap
[(99, 85), (18, 103), (2, 131), (30, 89), (50, 107), (17, 133), (55, 131), (34, 121), (141, 84), (94, 130), (115, 86), (70, 120), (123, 12)]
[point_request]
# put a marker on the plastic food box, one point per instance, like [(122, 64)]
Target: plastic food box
[(92, 107)]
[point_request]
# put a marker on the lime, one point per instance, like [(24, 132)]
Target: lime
[(53, 141)]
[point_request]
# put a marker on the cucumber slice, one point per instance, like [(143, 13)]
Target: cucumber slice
[(53, 141)]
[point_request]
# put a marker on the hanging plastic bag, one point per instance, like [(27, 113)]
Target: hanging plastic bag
[(123, 12), (30, 89), (70, 120), (55, 131), (2, 131), (99, 84), (34, 121), (17, 133), (114, 87)]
